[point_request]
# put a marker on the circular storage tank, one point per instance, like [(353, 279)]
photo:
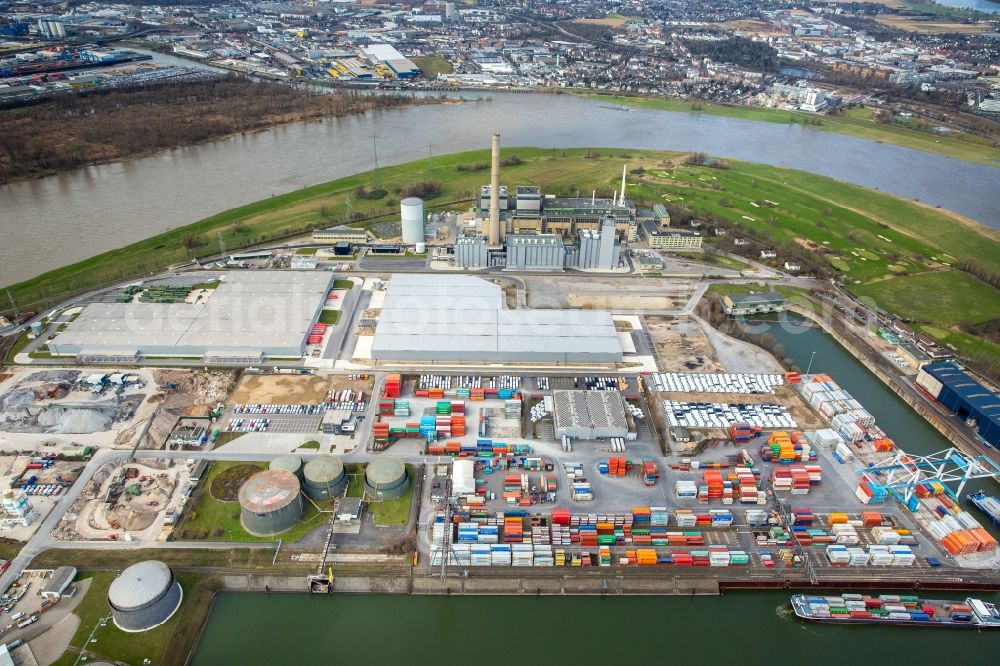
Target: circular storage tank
[(144, 596), (324, 477), (385, 478), (420, 247), (270, 502), (411, 210), (289, 463)]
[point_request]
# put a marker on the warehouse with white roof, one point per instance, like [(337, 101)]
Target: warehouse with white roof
[(250, 316), (464, 318)]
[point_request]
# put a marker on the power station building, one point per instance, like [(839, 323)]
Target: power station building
[(428, 317), (530, 231), (250, 316), (144, 596), (270, 502)]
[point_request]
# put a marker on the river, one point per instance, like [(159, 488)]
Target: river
[(759, 627), (53, 221), (987, 6)]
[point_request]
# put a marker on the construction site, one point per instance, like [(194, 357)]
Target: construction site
[(135, 501)]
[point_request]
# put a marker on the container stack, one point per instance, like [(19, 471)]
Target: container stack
[(512, 409), (842, 453), (685, 489), (393, 384), (380, 430), (742, 433), (748, 486), (401, 408)]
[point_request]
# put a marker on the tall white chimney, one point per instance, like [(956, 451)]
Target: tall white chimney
[(493, 235), (621, 199)]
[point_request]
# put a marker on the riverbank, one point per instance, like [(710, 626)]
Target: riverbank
[(853, 122), (863, 236), (59, 134)]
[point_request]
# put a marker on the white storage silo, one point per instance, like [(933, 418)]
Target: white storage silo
[(411, 210)]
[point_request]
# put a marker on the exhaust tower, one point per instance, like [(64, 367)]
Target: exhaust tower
[(493, 235)]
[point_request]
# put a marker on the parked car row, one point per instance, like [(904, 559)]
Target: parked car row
[(248, 425), (44, 489), (277, 409)]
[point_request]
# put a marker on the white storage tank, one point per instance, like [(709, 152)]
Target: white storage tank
[(411, 211), (421, 247)]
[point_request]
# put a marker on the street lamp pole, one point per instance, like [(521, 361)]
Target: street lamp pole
[(810, 362)]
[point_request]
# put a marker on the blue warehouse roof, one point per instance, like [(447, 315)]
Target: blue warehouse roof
[(982, 404)]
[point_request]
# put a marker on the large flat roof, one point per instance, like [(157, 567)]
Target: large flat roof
[(269, 312), (463, 318)]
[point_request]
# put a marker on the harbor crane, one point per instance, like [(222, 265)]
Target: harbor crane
[(902, 473)]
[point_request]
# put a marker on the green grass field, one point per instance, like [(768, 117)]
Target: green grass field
[(431, 66), (942, 299), (329, 317), (169, 643), (207, 515), (854, 122)]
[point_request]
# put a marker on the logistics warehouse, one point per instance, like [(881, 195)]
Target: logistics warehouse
[(463, 318), (249, 317)]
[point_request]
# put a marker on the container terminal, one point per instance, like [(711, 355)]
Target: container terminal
[(530, 425)]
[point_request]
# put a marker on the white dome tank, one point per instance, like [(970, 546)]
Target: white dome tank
[(411, 210)]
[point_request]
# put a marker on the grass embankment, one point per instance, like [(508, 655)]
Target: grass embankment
[(170, 643), (234, 558), (867, 235), (898, 253), (212, 516), (431, 66), (343, 284), (857, 122), (296, 213)]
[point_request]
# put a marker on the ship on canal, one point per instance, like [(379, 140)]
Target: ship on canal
[(895, 609), (990, 506)]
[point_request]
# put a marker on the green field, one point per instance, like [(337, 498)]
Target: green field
[(431, 66), (169, 643), (211, 519), (329, 317), (854, 122), (942, 298)]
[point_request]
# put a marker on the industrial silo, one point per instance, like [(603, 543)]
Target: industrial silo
[(385, 478), (411, 210), (324, 478), (289, 463), (144, 596), (270, 502)]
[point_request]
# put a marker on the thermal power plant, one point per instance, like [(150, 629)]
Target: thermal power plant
[(386, 478), (144, 596), (411, 211), (493, 234), (270, 502), (289, 463), (324, 478)]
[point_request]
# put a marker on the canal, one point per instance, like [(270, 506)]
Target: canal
[(759, 626)]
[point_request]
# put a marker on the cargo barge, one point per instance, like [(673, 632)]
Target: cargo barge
[(895, 609), (990, 506)]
